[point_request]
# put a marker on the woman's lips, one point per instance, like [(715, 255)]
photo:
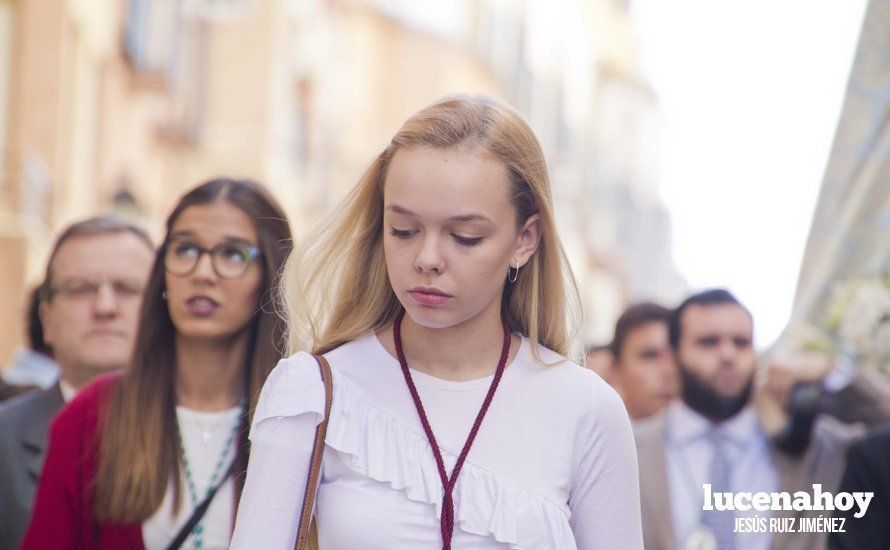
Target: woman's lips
[(106, 333), (201, 306), (428, 297)]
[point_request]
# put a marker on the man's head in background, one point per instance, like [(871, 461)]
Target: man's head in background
[(712, 336), (643, 371), (91, 295)]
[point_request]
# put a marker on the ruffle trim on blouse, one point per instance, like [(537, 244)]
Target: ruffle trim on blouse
[(386, 451)]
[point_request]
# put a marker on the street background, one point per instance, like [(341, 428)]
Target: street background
[(691, 143)]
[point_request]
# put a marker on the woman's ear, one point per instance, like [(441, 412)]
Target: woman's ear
[(528, 240)]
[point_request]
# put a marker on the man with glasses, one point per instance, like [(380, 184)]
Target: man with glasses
[(89, 308)]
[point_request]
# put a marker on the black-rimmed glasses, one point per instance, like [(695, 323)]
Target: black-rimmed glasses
[(229, 260)]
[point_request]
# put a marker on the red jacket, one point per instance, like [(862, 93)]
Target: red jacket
[(63, 508)]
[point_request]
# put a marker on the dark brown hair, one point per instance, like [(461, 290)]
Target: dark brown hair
[(634, 317), (35, 325), (710, 297), (139, 446)]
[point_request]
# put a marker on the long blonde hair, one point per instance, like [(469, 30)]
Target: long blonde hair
[(335, 285)]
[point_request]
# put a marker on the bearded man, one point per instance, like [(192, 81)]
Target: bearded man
[(723, 432)]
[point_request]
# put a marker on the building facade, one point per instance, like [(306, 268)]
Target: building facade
[(849, 238), (123, 104)]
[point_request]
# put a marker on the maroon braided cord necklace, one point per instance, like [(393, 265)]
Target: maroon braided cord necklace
[(447, 521)]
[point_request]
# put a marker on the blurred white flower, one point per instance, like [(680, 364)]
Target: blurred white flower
[(860, 314)]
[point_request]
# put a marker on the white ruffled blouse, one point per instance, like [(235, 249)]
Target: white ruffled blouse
[(553, 466)]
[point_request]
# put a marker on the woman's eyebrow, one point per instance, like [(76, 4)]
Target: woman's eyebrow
[(396, 209), (470, 218), (238, 240), (227, 238)]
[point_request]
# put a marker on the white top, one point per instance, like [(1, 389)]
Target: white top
[(689, 457), (160, 529), (552, 467), (68, 391), (29, 367)]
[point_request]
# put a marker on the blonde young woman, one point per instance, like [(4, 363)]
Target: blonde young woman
[(439, 295)]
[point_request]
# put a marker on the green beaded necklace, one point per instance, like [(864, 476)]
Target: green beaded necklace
[(198, 531)]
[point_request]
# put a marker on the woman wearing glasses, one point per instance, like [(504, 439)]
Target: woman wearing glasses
[(439, 292), (154, 456)]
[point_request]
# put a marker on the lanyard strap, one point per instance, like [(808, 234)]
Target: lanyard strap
[(447, 520), (199, 512)]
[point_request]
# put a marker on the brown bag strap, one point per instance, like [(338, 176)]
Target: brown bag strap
[(317, 452)]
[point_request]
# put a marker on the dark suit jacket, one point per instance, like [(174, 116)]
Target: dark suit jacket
[(868, 470), (24, 424), (866, 398), (8, 391)]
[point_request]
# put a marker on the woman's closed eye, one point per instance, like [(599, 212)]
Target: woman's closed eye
[(459, 239), (401, 233), (466, 241)]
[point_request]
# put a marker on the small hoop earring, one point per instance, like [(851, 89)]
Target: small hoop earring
[(164, 295), (511, 274)]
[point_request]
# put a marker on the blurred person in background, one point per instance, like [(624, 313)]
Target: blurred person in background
[(133, 457), (868, 470), (88, 306), (643, 370), (440, 294), (719, 432), (598, 358), (33, 365)]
